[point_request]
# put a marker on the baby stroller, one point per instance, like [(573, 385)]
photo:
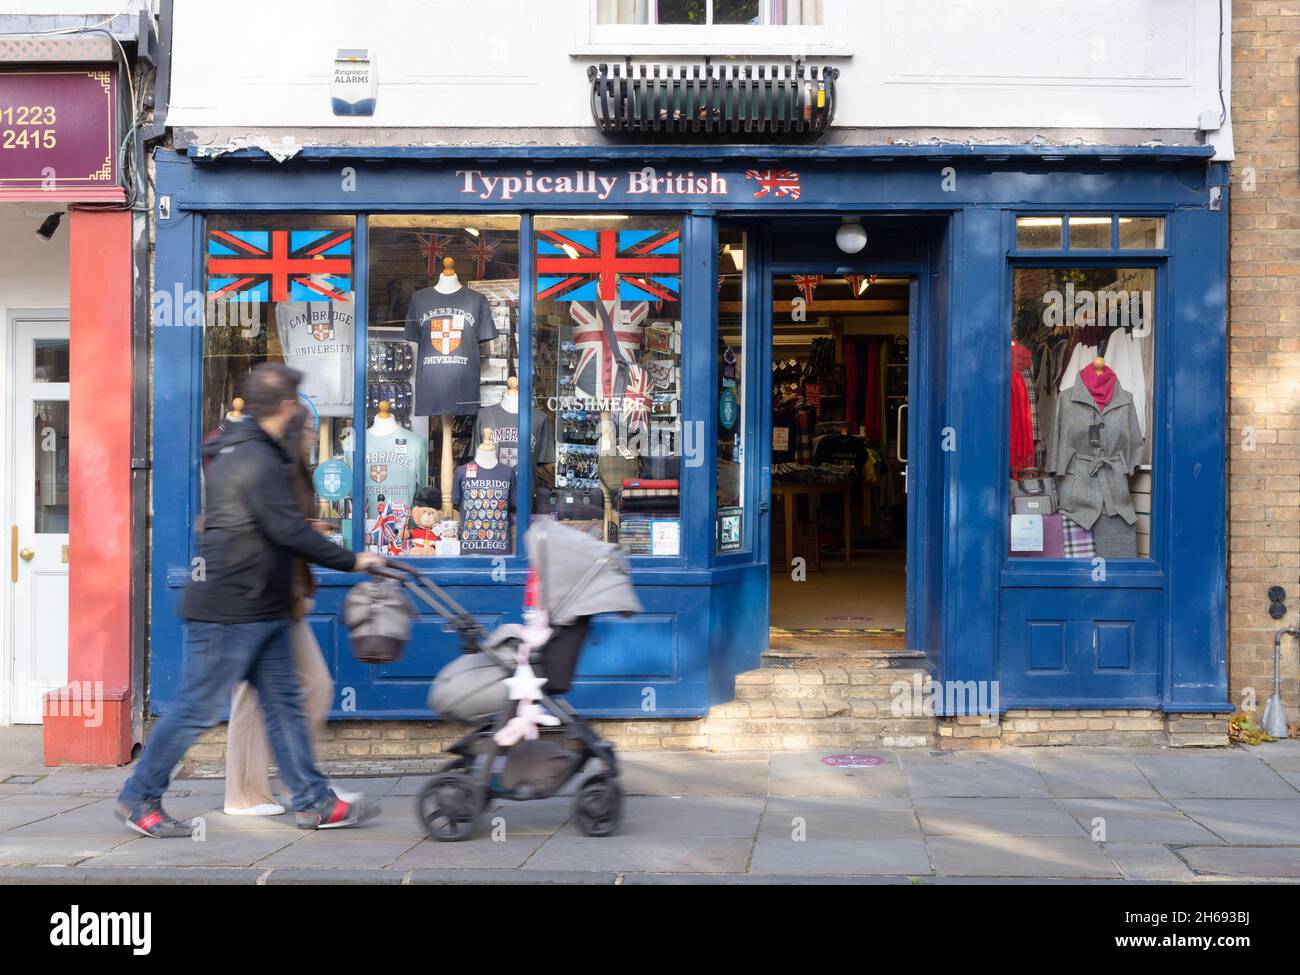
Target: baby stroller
[(574, 577)]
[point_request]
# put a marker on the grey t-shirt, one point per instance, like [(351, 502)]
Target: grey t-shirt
[(448, 329), (505, 434), (316, 339)]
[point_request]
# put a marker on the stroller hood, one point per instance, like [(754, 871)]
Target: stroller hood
[(579, 575)]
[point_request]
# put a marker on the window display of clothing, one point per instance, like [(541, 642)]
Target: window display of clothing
[(316, 339), (1096, 448), (484, 496), (448, 328)]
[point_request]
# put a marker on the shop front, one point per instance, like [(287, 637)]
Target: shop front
[(992, 432), (68, 485)]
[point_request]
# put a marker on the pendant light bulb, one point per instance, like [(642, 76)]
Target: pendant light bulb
[(851, 237)]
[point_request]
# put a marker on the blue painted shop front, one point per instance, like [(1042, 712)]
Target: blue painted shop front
[(1054, 632)]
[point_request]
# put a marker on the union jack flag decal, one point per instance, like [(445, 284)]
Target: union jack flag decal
[(775, 182), (609, 265), (279, 265), (808, 283)]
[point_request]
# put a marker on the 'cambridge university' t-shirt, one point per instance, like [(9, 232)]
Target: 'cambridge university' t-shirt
[(316, 339), (505, 434), (448, 329), (397, 465), (484, 496)]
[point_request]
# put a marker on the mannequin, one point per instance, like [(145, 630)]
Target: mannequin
[(397, 461), (485, 454), (484, 493), (510, 401), (385, 423), (446, 322), (236, 409)]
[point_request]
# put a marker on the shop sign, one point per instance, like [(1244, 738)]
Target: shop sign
[(58, 129), (556, 184), (729, 529), (665, 537)]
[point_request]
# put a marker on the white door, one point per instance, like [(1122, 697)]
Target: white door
[(38, 505)]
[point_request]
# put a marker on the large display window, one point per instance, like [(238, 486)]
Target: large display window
[(606, 382), (280, 289), (441, 393), (1082, 393)]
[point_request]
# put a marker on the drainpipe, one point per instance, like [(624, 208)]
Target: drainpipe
[(1274, 722)]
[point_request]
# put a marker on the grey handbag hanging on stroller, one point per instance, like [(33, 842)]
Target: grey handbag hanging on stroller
[(577, 577)]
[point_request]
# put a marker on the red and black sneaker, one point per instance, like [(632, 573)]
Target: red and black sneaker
[(334, 813), (149, 819)]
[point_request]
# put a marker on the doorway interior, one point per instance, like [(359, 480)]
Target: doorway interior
[(840, 365)]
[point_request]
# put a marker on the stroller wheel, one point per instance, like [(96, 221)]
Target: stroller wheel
[(450, 805), (599, 805)]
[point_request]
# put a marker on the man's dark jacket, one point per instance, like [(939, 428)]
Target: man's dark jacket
[(253, 529)]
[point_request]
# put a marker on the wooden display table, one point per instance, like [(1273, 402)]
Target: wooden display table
[(813, 491)]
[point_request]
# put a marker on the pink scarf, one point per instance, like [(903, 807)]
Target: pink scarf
[(1100, 384)]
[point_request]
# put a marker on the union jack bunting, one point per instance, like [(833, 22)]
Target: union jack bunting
[(482, 252), (855, 282), (608, 336), (808, 283), (776, 182), (279, 265), (434, 248), (609, 265)]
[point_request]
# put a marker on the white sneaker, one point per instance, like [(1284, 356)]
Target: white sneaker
[(262, 809)]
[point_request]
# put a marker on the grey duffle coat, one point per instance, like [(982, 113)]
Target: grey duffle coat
[(1094, 480)]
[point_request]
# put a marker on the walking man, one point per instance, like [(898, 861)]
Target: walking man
[(237, 611)]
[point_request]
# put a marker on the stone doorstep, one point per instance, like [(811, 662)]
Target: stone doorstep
[(839, 659)]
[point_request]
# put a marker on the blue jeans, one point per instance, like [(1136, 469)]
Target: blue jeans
[(217, 657)]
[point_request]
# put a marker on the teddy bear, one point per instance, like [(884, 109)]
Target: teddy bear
[(425, 516)]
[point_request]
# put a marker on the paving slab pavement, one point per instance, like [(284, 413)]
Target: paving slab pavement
[(1013, 816)]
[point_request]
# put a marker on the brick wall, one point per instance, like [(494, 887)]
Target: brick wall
[(1264, 342)]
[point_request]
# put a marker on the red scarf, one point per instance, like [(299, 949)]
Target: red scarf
[(1100, 384)]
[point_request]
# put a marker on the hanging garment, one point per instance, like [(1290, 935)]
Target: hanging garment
[(1022, 437), (1022, 361), (852, 382), (1045, 389), (1094, 453), (873, 405), (1079, 357), (1124, 355)]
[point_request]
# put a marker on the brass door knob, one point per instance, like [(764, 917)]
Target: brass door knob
[(27, 555)]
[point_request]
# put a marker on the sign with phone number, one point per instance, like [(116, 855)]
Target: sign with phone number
[(58, 128)]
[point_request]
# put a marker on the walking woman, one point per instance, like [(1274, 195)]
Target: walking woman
[(248, 752)]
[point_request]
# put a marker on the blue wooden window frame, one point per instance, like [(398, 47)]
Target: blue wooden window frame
[(1146, 572)]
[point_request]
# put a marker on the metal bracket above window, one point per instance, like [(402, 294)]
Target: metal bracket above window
[(791, 99)]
